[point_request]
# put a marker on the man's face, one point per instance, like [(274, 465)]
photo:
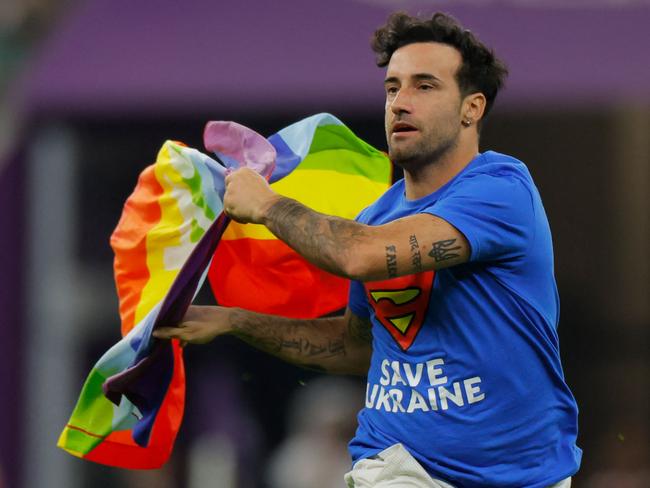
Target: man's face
[(423, 102)]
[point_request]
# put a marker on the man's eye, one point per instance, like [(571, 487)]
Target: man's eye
[(426, 87), (391, 90)]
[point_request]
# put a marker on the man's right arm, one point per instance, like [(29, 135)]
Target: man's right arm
[(341, 345)]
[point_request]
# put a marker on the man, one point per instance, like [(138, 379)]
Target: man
[(453, 306)]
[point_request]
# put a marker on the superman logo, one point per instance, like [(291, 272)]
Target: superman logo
[(401, 304)]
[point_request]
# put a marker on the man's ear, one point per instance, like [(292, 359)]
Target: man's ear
[(474, 107)]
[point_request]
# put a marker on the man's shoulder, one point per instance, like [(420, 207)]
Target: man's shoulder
[(499, 164), (493, 176), (383, 204), (492, 171)]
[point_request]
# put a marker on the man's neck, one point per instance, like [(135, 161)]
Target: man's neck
[(425, 179)]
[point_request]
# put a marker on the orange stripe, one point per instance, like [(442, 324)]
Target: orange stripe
[(129, 242)]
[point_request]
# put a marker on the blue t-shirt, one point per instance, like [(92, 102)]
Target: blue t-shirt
[(465, 369)]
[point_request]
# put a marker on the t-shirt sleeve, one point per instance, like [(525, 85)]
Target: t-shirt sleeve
[(495, 213), (357, 301)]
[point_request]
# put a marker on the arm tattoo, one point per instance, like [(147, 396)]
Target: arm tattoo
[(322, 239), (444, 250), (293, 340), (305, 347), (391, 261), (416, 259)]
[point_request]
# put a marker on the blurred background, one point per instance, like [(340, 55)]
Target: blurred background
[(89, 90)]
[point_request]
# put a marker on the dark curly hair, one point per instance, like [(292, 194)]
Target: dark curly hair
[(481, 70)]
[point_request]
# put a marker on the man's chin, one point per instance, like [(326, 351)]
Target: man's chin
[(403, 159), (412, 156)]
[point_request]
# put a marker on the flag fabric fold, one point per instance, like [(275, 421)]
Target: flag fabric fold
[(172, 228), (322, 164)]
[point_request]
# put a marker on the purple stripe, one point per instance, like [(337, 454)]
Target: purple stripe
[(286, 159)]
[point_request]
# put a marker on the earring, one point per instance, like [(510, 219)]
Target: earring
[(466, 122)]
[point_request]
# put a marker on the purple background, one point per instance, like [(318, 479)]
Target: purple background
[(119, 55)]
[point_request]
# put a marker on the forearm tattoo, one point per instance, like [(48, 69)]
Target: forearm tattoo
[(444, 250), (416, 258), (306, 347), (297, 341), (322, 239), (391, 261)]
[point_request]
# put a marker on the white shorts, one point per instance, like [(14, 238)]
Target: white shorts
[(396, 468)]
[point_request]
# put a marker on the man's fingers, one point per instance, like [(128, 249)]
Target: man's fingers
[(230, 172), (168, 333)]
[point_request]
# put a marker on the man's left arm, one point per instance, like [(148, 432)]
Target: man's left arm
[(344, 247)]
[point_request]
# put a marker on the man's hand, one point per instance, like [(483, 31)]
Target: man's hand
[(199, 326), (248, 196)]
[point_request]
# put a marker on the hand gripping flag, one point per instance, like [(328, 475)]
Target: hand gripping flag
[(172, 231)]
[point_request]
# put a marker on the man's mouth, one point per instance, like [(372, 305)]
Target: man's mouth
[(403, 127)]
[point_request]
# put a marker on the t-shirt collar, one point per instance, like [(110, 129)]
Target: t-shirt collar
[(432, 197)]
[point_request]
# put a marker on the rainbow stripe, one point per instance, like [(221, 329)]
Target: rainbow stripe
[(321, 163), (131, 405)]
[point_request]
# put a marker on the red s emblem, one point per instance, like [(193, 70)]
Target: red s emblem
[(401, 304)]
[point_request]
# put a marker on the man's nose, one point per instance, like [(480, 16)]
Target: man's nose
[(402, 102)]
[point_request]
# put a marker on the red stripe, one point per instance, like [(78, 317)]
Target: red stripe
[(280, 282)]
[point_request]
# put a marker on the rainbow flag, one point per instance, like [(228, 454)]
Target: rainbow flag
[(171, 230), (322, 164)]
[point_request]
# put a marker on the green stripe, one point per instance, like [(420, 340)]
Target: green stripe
[(194, 183), (196, 189), (344, 161), (336, 148), (93, 412), (79, 442), (339, 136)]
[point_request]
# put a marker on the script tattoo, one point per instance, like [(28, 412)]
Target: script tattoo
[(290, 339), (305, 347), (416, 258), (444, 250), (391, 261)]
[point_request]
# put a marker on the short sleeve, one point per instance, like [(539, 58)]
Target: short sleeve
[(357, 301), (495, 213)]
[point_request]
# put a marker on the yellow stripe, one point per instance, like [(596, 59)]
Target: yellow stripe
[(329, 192), (166, 234), (63, 444)]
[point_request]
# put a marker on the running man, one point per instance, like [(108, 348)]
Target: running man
[(453, 306)]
